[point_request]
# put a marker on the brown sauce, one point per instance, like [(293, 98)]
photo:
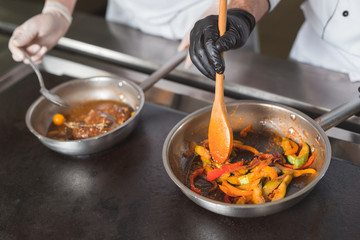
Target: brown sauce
[(91, 119)]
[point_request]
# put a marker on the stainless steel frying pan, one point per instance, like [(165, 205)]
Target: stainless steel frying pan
[(39, 114), (275, 118)]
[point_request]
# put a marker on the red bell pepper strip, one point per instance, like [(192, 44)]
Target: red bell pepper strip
[(216, 173), (194, 175)]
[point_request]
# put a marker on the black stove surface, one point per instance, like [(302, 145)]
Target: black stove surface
[(125, 192)]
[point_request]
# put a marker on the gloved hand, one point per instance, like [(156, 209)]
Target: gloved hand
[(39, 34), (206, 46)]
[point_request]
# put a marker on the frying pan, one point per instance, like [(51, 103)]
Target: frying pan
[(39, 115), (264, 117)]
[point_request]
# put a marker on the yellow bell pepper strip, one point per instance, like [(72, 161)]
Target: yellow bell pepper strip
[(244, 132), (289, 146), (223, 177), (257, 196), (245, 147), (270, 186), (207, 167), (280, 192), (269, 172), (232, 191), (250, 186), (238, 142), (301, 159), (297, 172), (194, 175), (214, 174), (238, 180), (203, 153), (241, 201), (240, 171)]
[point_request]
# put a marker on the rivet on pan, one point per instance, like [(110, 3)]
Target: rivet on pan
[(138, 96), (318, 138), (121, 96), (291, 130), (292, 116), (120, 84)]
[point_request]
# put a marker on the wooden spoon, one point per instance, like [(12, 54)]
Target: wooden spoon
[(220, 133)]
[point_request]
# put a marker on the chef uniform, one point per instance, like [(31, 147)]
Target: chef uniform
[(171, 19), (330, 35)]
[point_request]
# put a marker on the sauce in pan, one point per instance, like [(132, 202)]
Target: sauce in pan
[(89, 119)]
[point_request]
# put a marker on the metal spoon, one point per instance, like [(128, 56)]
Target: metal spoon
[(43, 90)]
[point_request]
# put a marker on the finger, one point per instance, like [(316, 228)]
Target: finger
[(23, 36), (17, 54), (37, 58), (33, 49), (230, 40), (213, 54), (199, 57)]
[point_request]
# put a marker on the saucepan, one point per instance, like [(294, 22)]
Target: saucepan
[(281, 120), (39, 115)]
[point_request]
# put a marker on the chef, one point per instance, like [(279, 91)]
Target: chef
[(165, 18), (329, 37)]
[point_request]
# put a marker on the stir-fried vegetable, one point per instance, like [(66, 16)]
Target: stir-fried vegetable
[(263, 178), (299, 160)]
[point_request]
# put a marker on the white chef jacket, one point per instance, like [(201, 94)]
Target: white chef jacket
[(330, 35), (171, 19)]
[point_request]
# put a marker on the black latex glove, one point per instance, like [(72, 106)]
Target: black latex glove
[(206, 46)]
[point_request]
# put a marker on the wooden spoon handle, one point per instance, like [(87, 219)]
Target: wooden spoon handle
[(222, 17), (219, 84), (220, 132)]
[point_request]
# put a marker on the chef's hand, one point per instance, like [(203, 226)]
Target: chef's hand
[(40, 33), (206, 46)]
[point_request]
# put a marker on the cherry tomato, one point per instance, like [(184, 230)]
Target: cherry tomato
[(58, 119)]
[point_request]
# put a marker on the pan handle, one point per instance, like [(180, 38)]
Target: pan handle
[(163, 70), (339, 114)]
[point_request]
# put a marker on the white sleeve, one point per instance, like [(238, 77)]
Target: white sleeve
[(273, 4)]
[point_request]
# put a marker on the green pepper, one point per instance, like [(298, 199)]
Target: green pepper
[(280, 192), (301, 159), (270, 186)]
